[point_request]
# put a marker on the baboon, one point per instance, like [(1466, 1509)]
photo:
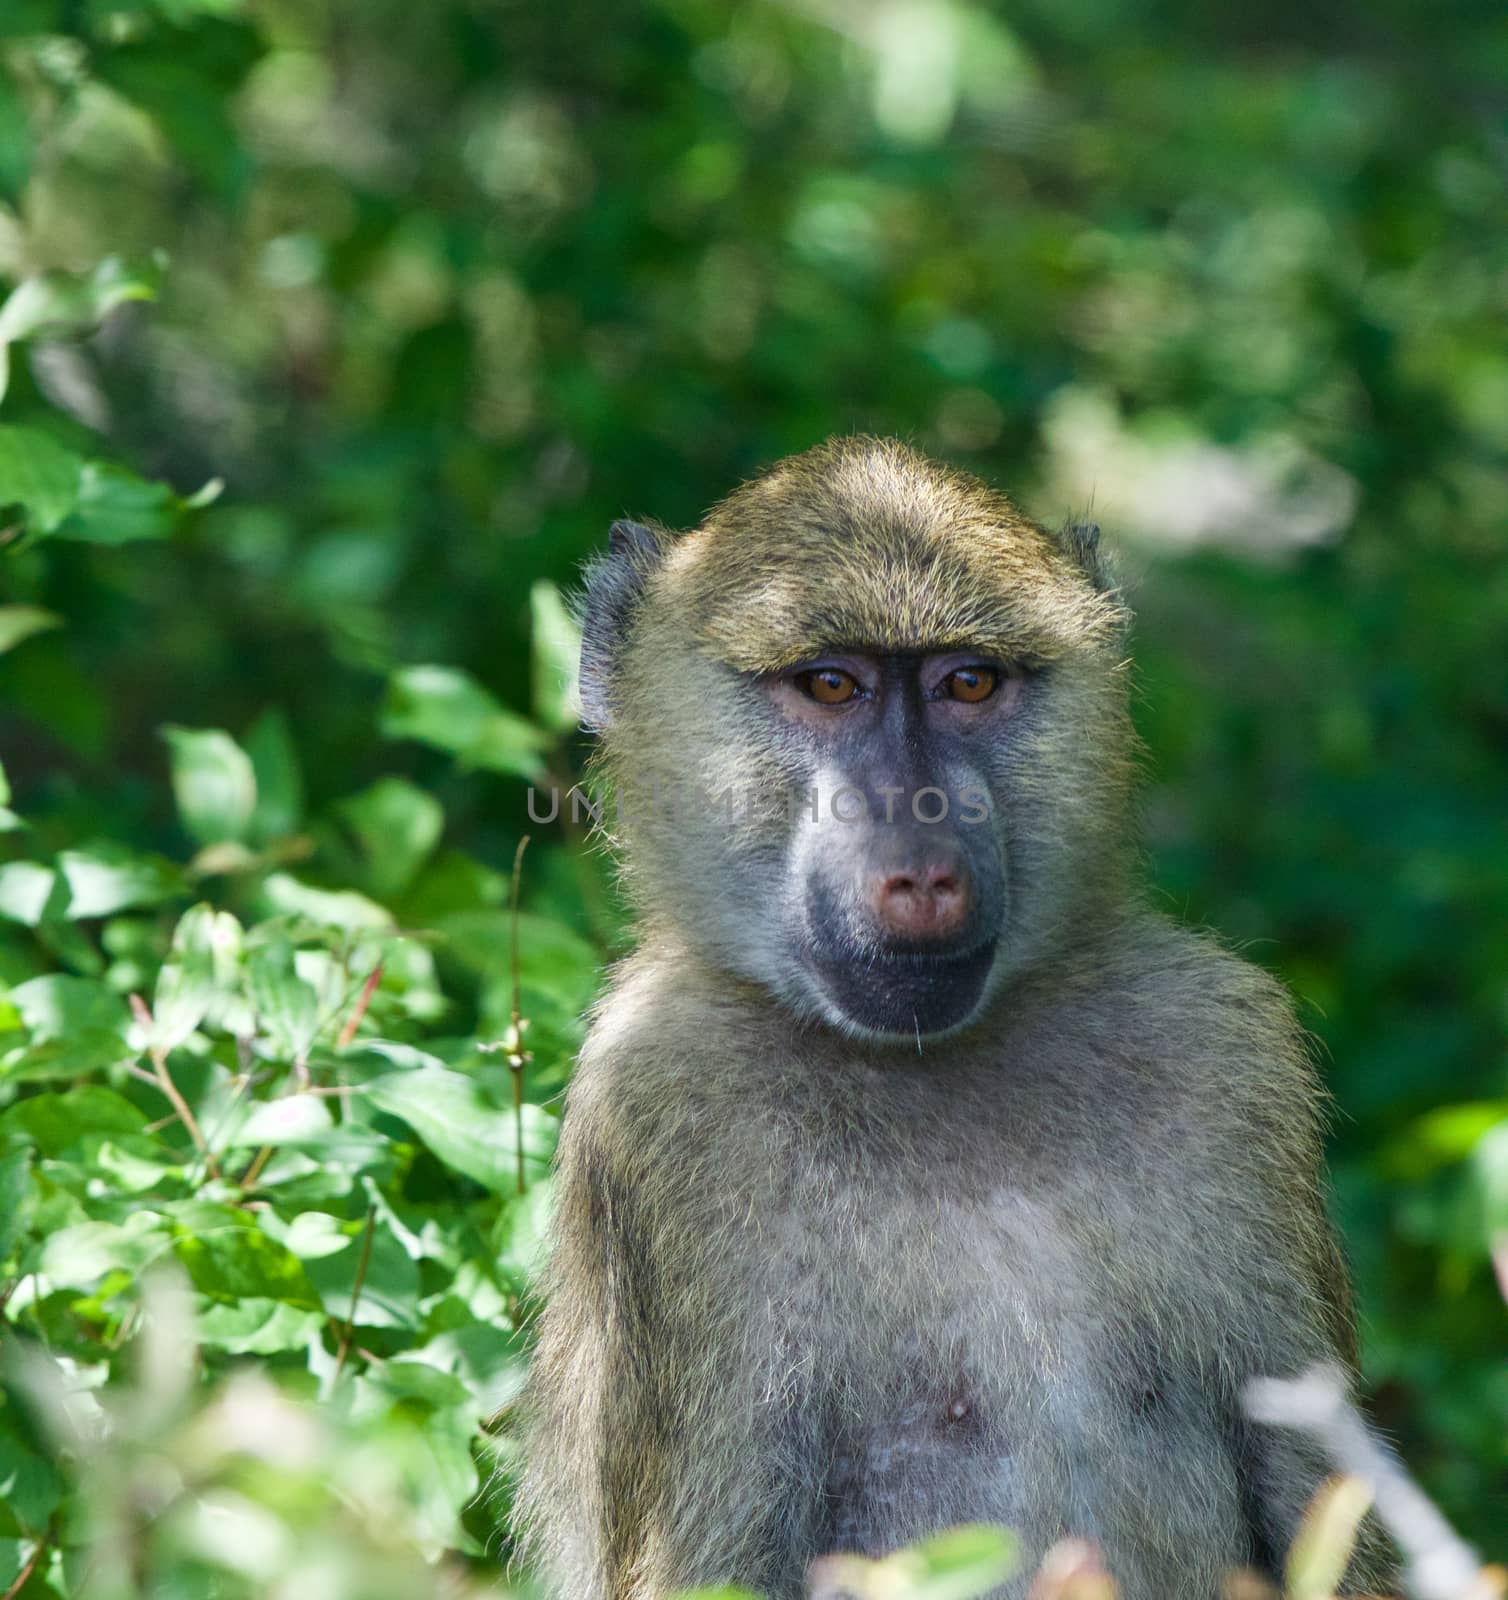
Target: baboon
[(915, 1171)]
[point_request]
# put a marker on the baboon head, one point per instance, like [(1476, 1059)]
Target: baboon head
[(865, 734)]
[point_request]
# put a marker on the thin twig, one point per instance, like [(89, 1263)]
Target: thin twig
[(1441, 1565), (164, 1081), (356, 1288), (517, 1055), (31, 1566), (254, 1171), (359, 1010)]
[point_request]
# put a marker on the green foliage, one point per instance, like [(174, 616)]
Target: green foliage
[(438, 292), (360, 1213)]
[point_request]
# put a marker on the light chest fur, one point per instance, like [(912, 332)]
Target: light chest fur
[(958, 1290)]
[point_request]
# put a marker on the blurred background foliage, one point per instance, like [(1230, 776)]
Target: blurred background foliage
[(338, 332)]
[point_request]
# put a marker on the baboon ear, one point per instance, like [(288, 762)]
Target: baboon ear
[(614, 584), (1082, 542)]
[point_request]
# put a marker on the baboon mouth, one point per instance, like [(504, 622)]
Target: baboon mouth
[(903, 992)]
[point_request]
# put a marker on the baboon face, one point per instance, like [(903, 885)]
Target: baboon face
[(866, 731), (896, 884)]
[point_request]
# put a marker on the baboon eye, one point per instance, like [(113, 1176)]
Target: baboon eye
[(829, 686), (971, 683)]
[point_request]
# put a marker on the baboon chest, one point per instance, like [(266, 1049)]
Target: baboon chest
[(1002, 1368)]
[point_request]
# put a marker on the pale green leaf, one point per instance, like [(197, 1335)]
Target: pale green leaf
[(108, 877), (25, 889), (78, 1257), (287, 1009), (555, 649), (463, 1127), (213, 783), (332, 908), (18, 623), (64, 305), (199, 977), (447, 708)]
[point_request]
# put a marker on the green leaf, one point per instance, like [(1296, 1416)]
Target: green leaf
[(199, 978), (15, 1180), (297, 1120), (280, 789), (39, 475), (18, 623), (522, 1233), (16, 142), (20, 18), (463, 1127), (555, 649), (287, 1009), (255, 1325), (965, 1562), (56, 1122), (108, 877), (64, 305), (78, 1257), (114, 506), (446, 708), (389, 1295), (76, 1025), (213, 783), (26, 887), (398, 825), (552, 959), (331, 908), (30, 1489), (227, 1255)]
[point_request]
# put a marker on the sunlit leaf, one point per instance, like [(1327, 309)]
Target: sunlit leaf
[(63, 305), (199, 976), (444, 707), (287, 1009), (463, 1128), (225, 1253), (555, 643), (213, 783), (39, 475), (54, 1122), (78, 1257), (108, 877), (26, 888), (18, 623), (334, 908)]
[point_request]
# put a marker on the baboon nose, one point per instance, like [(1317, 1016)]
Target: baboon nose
[(925, 903)]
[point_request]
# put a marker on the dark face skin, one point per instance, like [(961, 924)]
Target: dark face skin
[(901, 877)]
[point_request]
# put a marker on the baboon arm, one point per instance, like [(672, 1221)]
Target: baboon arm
[(1283, 1469), (659, 1461)]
